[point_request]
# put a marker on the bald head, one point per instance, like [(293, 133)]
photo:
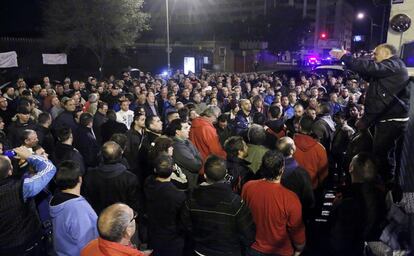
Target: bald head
[(286, 146), (114, 221), (111, 152), (363, 168), (5, 167)]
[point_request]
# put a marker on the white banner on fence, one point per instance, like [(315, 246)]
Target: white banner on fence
[(55, 59), (8, 59)]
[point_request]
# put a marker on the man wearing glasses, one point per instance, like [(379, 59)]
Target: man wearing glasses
[(116, 226)]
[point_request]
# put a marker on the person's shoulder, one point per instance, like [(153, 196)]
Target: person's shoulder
[(174, 193), (78, 205), (130, 176), (90, 248), (252, 183), (291, 196)]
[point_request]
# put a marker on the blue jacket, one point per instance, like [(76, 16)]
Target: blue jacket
[(242, 123), (289, 111), (45, 171), (74, 225)]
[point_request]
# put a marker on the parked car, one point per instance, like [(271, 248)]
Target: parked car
[(334, 70)]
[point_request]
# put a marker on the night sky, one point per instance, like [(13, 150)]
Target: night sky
[(23, 18), (20, 18)]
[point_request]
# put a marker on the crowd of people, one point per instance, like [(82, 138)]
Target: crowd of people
[(210, 164)]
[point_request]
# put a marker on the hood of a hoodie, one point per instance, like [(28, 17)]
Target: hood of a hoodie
[(200, 121), (111, 170), (304, 142), (329, 121), (56, 210)]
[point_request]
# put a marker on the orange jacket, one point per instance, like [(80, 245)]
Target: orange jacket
[(204, 137), (311, 155), (102, 247)]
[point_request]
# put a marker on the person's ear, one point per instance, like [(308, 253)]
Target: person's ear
[(80, 180)]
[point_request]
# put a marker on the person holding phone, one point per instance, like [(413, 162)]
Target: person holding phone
[(20, 227)]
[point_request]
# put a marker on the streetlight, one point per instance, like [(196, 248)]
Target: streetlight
[(168, 36), (361, 16)]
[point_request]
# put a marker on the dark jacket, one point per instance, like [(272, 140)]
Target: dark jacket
[(240, 171), (7, 116), (111, 100), (265, 110), (65, 119), (391, 74), (323, 128), (15, 131), (108, 184), (163, 204), (356, 218), (291, 126), (20, 223), (67, 152), (298, 180), (276, 130), (134, 144), (187, 157), (98, 120), (110, 128), (361, 141), (148, 110), (87, 145), (46, 140), (219, 221), (144, 161), (223, 134), (341, 139)]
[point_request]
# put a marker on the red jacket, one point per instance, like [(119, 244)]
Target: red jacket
[(204, 137), (277, 213), (102, 247), (311, 155)]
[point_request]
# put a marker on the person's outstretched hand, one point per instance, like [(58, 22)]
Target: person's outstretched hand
[(337, 53)]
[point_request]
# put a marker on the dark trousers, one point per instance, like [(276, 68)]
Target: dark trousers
[(37, 248), (387, 146), (253, 252), (168, 251)]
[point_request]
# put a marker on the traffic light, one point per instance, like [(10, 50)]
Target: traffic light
[(324, 35)]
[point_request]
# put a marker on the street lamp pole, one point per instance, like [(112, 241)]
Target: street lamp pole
[(168, 35), (371, 31)]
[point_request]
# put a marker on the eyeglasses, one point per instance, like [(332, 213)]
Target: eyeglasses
[(134, 217)]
